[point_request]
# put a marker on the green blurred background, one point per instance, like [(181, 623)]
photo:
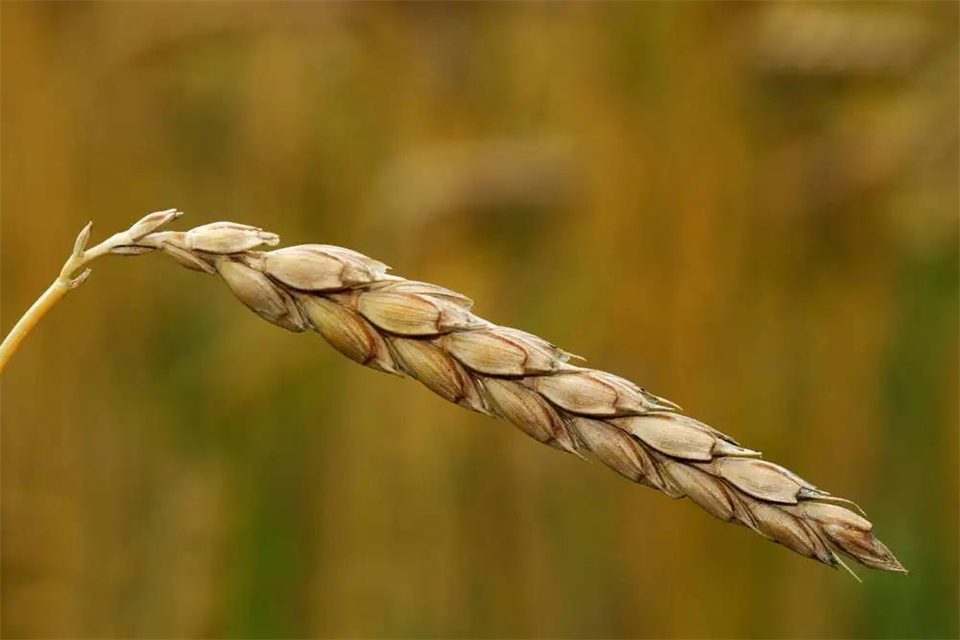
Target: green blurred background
[(751, 209)]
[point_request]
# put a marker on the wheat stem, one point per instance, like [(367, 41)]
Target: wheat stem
[(66, 282), (11, 343), (58, 289)]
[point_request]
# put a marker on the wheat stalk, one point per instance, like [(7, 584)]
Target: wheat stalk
[(430, 333)]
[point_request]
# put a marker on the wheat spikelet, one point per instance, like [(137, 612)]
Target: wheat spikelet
[(431, 334)]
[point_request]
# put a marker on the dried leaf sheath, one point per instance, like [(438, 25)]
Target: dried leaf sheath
[(431, 333)]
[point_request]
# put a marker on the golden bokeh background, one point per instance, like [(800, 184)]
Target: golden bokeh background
[(751, 209)]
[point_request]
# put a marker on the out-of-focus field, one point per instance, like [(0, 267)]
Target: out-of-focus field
[(751, 209)]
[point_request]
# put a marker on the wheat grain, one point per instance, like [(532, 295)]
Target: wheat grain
[(431, 334)]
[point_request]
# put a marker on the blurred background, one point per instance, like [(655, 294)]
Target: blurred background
[(751, 209)]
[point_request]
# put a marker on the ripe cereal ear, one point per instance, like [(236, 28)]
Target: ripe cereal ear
[(431, 333)]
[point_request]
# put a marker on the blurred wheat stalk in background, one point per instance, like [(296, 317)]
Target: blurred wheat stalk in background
[(428, 332)]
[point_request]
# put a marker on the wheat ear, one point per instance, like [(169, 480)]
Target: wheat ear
[(428, 332)]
